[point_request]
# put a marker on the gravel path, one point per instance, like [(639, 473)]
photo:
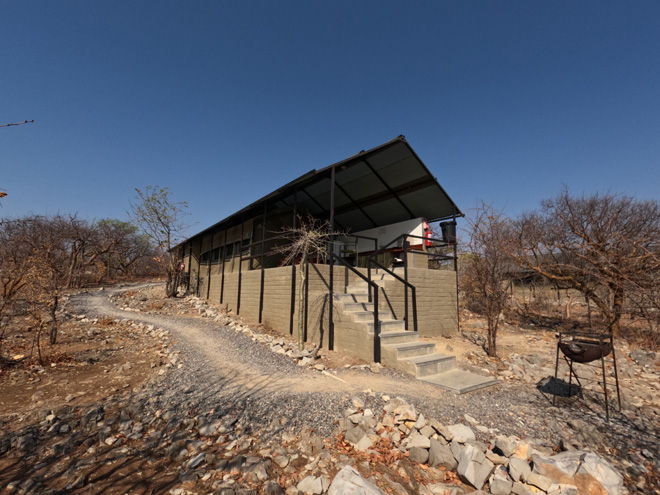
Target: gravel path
[(227, 372)]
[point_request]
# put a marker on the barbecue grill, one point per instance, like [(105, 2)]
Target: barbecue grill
[(585, 348)]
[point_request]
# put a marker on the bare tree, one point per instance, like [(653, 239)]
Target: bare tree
[(13, 273), (161, 219), (307, 240), (484, 266), (129, 248), (604, 246)]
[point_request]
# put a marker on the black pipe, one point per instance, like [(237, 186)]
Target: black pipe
[(263, 249), (224, 259), (208, 272), (331, 324), (293, 267), (240, 267)]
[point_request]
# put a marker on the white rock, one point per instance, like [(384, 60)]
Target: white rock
[(349, 482)]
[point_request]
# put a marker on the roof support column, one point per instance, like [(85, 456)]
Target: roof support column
[(224, 258), (189, 265), (240, 266), (263, 258), (199, 267), (293, 265), (208, 273), (331, 323)]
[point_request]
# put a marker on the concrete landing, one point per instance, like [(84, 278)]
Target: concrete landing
[(459, 381)]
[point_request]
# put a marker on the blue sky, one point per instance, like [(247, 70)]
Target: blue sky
[(224, 101)]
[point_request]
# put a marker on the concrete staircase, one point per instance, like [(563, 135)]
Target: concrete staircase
[(402, 349)]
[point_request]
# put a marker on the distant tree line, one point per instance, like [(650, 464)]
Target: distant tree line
[(40, 256), (604, 247)]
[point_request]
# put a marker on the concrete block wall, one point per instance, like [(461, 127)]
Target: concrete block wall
[(436, 301)]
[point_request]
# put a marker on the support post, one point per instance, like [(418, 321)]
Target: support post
[(306, 298), (293, 267), (263, 257), (208, 272), (240, 267), (458, 307), (190, 250), (376, 329), (224, 259), (199, 268), (405, 277), (331, 324)]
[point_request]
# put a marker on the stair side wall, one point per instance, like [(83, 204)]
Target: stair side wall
[(436, 301)]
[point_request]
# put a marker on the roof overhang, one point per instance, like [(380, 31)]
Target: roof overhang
[(381, 186)]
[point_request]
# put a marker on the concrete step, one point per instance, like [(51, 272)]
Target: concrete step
[(368, 316), (349, 298), (387, 325), (412, 349), (431, 364), (460, 381), (352, 307), (357, 289), (397, 337), (363, 287)]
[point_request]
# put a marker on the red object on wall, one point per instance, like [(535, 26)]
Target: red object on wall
[(428, 234)]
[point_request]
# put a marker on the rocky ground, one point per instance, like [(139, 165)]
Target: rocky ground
[(152, 395)]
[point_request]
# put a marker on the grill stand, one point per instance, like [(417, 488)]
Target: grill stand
[(604, 342)]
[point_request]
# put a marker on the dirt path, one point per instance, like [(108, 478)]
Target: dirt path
[(247, 363)]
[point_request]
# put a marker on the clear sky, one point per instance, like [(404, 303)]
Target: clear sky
[(225, 101)]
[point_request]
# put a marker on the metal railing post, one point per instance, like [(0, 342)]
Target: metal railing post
[(414, 307), (405, 277), (376, 329)]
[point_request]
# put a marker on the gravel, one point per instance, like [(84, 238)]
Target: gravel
[(225, 371)]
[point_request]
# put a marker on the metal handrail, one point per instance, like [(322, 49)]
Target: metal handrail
[(404, 237), (406, 283), (371, 283)]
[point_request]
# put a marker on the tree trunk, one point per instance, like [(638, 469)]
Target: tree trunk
[(301, 302), (492, 338), (53, 321), (617, 309), (172, 284)]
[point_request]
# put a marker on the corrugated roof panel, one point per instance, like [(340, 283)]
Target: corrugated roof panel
[(391, 154), (387, 212), (403, 175), (428, 203), (402, 172)]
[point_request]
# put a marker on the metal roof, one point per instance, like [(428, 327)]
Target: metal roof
[(381, 186)]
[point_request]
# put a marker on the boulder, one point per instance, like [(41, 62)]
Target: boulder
[(441, 455), (519, 469), (473, 467), (313, 485), (419, 441), (589, 472), (505, 445), (405, 412), (418, 454), (461, 433), (500, 483), (349, 482)]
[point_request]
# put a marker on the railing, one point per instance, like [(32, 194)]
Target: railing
[(371, 284), (406, 284), (403, 240)]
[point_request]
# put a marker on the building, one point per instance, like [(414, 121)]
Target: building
[(380, 270)]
